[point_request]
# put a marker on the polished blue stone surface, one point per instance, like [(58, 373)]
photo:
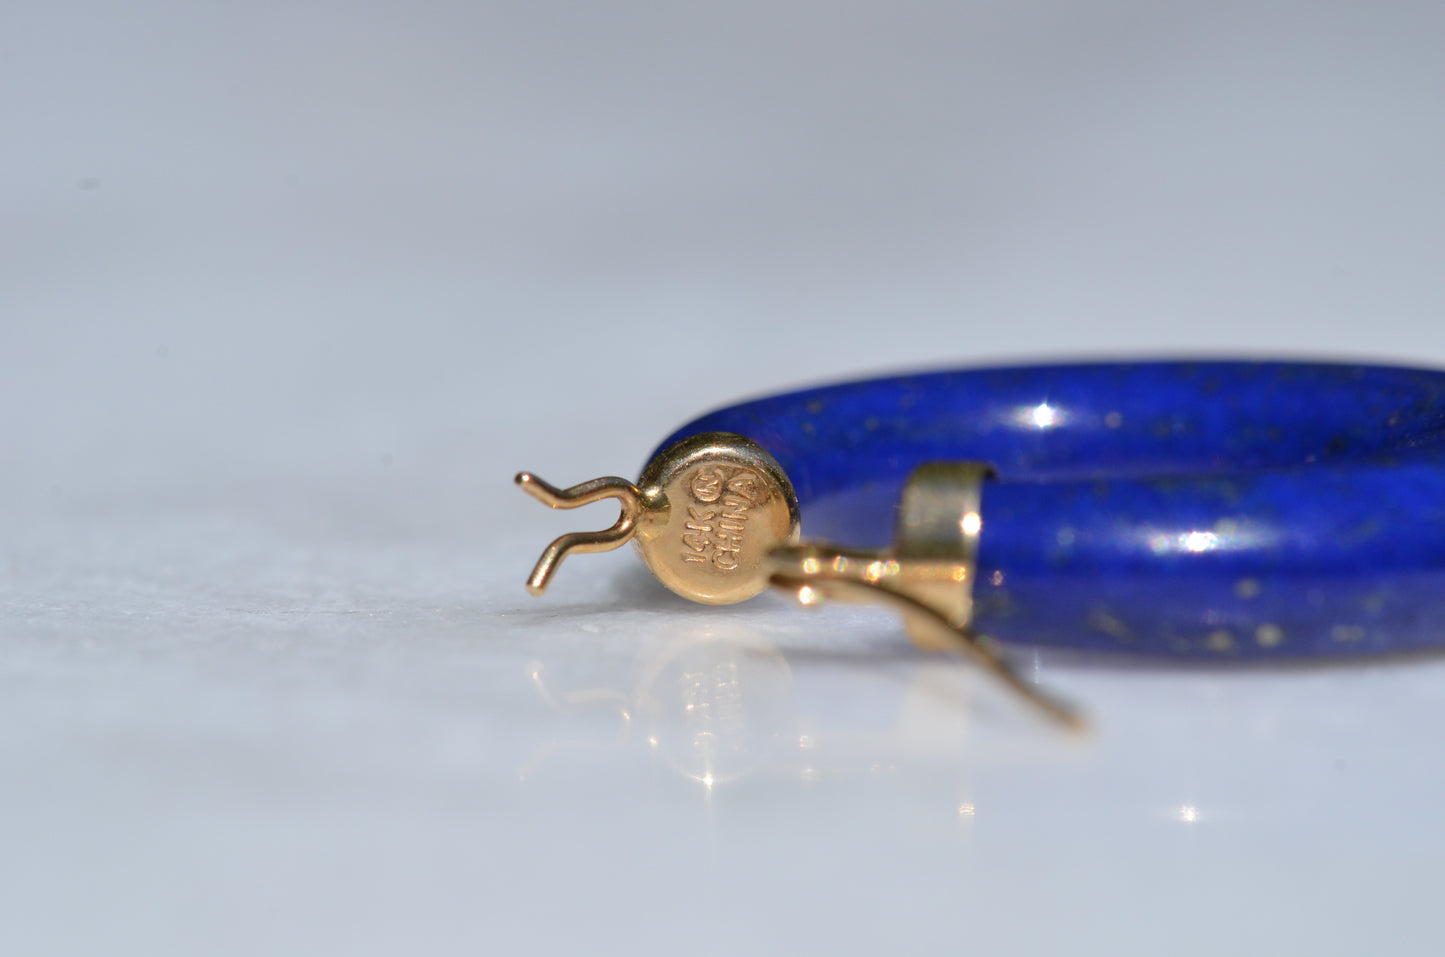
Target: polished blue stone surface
[(1219, 509)]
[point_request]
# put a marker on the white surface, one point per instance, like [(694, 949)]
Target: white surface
[(286, 297)]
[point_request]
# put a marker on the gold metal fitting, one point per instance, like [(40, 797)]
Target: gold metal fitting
[(704, 515), (716, 520)]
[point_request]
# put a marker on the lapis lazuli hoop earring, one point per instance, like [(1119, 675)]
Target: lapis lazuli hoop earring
[(1219, 509)]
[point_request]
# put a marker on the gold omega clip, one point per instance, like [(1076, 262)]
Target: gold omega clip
[(715, 518)]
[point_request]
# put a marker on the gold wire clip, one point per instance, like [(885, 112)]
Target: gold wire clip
[(716, 520), (621, 532)]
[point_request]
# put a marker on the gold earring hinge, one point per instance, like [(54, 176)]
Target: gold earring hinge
[(716, 520)]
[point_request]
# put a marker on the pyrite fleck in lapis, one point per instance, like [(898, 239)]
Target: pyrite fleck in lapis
[(1221, 509)]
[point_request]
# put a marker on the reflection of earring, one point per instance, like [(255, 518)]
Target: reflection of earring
[(713, 705), (1196, 509)]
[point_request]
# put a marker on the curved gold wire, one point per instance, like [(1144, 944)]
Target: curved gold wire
[(620, 533), (809, 588)]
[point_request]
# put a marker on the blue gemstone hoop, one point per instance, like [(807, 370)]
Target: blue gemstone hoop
[(1213, 509)]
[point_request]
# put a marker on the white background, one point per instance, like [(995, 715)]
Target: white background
[(288, 292)]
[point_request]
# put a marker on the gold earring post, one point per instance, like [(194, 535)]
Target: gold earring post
[(815, 574)]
